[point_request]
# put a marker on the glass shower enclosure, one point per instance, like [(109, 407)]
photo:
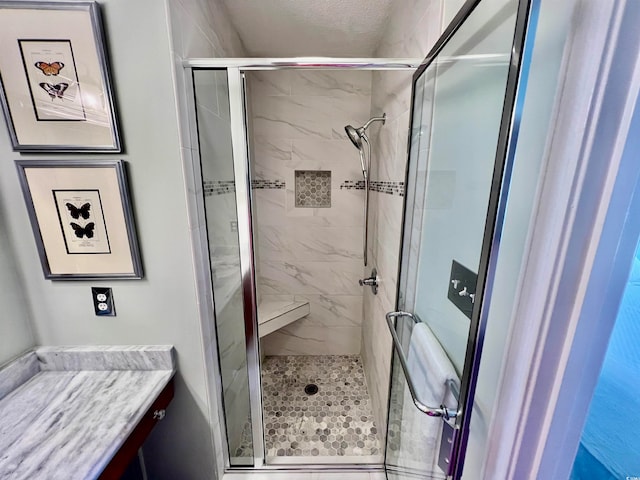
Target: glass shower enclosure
[(220, 120), (465, 106)]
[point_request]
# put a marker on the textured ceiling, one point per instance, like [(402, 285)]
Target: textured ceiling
[(289, 28)]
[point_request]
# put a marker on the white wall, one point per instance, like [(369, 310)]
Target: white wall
[(16, 335), (558, 340), (310, 254)]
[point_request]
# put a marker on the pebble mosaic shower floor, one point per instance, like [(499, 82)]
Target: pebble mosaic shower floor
[(335, 421)]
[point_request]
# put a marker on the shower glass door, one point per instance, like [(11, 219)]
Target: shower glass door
[(463, 98), (221, 199)]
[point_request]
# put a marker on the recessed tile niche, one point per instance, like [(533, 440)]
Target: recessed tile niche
[(313, 188)]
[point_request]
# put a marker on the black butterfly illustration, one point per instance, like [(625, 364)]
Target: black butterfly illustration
[(81, 232), (49, 69), (76, 212), (56, 90)]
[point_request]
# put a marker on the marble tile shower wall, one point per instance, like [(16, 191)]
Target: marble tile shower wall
[(312, 254), (411, 31)]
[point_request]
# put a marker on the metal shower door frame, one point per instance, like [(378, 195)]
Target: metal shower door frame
[(235, 68), (241, 170), (520, 60)]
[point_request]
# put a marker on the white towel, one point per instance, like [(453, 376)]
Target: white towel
[(430, 369)]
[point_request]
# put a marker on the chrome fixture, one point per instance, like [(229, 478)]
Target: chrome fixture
[(357, 136), (324, 63), (372, 281), (432, 411)]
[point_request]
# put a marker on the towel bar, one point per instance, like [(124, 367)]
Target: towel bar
[(441, 411)]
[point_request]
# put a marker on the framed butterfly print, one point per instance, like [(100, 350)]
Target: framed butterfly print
[(81, 218), (54, 81)]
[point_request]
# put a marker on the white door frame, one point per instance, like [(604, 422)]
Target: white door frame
[(558, 342)]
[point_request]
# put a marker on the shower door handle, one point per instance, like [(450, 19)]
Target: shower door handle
[(442, 411)]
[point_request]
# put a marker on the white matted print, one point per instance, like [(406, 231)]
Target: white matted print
[(53, 80), (55, 89), (82, 221), (81, 218)]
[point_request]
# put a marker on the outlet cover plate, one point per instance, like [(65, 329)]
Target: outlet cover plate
[(103, 302)]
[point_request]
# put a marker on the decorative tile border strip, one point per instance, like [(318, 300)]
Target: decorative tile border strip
[(218, 187), (390, 188), (352, 185), (268, 184)]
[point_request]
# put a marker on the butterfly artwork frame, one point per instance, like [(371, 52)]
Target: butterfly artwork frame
[(55, 87), (82, 220)]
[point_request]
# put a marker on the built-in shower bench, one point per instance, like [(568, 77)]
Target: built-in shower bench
[(275, 314), (81, 412)]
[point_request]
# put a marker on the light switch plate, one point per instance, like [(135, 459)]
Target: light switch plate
[(103, 301)]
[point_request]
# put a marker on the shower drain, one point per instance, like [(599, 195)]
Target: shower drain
[(311, 389)]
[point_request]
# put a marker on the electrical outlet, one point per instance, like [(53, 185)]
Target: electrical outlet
[(103, 302), (234, 226)]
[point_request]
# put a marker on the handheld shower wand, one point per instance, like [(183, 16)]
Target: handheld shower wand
[(357, 136)]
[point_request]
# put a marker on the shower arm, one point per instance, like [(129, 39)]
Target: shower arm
[(382, 119)]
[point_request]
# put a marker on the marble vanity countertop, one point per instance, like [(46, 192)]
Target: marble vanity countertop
[(65, 411)]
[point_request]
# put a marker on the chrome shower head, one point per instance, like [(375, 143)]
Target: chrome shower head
[(356, 135)]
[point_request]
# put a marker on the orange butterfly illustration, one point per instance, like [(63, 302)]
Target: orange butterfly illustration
[(50, 68)]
